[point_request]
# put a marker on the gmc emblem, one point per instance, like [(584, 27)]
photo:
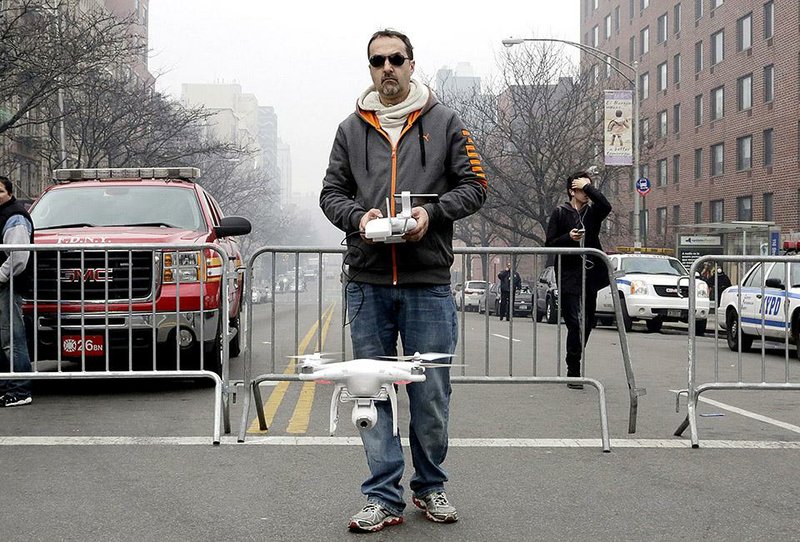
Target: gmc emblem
[(671, 290), (90, 275)]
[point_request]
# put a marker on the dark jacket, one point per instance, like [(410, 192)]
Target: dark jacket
[(565, 218), (434, 155), (23, 282), (505, 280)]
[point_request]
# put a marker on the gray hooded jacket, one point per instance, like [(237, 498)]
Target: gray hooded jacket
[(434, 155)]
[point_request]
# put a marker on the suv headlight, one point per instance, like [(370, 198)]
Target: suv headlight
[(182, 266), (702, 289), (638, 287)]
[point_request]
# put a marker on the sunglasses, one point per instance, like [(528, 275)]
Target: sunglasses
[(378, 61)]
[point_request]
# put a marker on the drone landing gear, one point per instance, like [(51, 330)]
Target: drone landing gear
[(365, 415)]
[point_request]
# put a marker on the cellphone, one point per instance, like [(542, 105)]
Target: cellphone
[(581, 230)]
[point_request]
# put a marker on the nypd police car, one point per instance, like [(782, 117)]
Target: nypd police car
[(653, 288), (767, 307)]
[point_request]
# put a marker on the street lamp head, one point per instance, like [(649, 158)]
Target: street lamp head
[(510, 42)]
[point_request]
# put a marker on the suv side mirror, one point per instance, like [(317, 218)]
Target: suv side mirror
[(774, 283), (232, 226)]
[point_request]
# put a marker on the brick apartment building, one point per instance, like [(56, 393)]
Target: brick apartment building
[(720, 113)]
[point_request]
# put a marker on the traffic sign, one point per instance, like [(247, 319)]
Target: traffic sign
[(643, 186)]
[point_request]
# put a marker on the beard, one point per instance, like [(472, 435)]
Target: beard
[(390, 88)]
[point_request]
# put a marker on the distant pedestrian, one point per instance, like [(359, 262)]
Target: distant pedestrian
[(505, 289), (17, 229), (577, 223)]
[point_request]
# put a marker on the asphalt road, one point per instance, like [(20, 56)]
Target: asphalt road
[(132, 460)]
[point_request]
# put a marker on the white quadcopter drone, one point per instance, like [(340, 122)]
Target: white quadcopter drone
[(392, 229), (364, 381)]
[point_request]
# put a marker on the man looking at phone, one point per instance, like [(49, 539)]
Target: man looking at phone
[(577, 223)]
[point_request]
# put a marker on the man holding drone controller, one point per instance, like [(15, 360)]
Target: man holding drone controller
[(401, 139)]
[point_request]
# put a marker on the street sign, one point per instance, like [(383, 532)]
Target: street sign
[(643, 186)]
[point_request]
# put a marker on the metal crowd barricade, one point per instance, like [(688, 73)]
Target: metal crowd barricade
[(90, 317), (253, 382), (790, 324)]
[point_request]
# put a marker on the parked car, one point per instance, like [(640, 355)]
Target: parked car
[(522, 299), (767, 306), (547, 296), (261, 294), (653, 288), (133, 288), (472, 291)]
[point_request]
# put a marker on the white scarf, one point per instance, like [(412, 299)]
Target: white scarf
[(393, 117)]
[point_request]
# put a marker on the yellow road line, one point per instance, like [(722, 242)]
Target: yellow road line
[(302, 410), (276, 397)]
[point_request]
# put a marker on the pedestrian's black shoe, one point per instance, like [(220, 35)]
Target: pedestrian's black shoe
[(12, 400), (575, 386), (437, 508)]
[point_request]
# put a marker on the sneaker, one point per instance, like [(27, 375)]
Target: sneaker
[(372, 518), (12, 400), (437, 508)]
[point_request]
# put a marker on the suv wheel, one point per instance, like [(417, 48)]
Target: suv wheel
[(700, 327), (235, 346), (626, 318), (654, 325), (732, 325)]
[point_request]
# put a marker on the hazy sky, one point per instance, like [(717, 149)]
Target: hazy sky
[(308, 59)]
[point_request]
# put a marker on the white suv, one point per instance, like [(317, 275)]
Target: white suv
[(767, 306), (473, 293), (654, 288)]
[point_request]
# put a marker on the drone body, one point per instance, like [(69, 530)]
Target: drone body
[(364, 381)]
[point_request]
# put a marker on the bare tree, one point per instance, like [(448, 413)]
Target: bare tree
[(540, 120), (47, 45)]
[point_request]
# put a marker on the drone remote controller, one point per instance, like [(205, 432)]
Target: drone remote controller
[(392, 229)]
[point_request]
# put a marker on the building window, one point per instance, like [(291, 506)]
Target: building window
[(716, 3), (717, 159), (717, 208), (595, 4), (676, 168), (676, 215), (631, 9), (769, 83), (744, 32), (676, 68), (661, 172), (744, 208), (676, 118), (644, 4), (644, 86), (661, 221), (616, 19), (698, 110), (698, 57), (769, 19), (662, 124), (632, 49), (744, 152), (609, 65), (644, 41), (698, 9), (644, 136), (698, 212), (676, 18), (608, 26), (768, 146), (698, 163), (717, 47), (744, 91), (662, 76), (663, 25), (768, 213), (595, 36), (717, 103)]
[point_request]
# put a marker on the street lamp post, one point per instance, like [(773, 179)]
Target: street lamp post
[(634, 68)]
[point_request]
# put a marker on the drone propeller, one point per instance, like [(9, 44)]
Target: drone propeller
[(427, 356), (316, 355), (443, 365)]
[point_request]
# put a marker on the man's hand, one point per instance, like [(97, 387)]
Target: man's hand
[(372, 214), (576, 234), (421, 216), (580, 184)]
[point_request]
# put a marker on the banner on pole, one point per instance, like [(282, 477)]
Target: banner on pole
[(618, 127)]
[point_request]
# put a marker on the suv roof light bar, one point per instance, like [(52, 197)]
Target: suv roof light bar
[(69, 175)]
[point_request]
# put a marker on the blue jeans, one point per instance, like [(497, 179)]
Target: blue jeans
[(22, 361), (425, 319)]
